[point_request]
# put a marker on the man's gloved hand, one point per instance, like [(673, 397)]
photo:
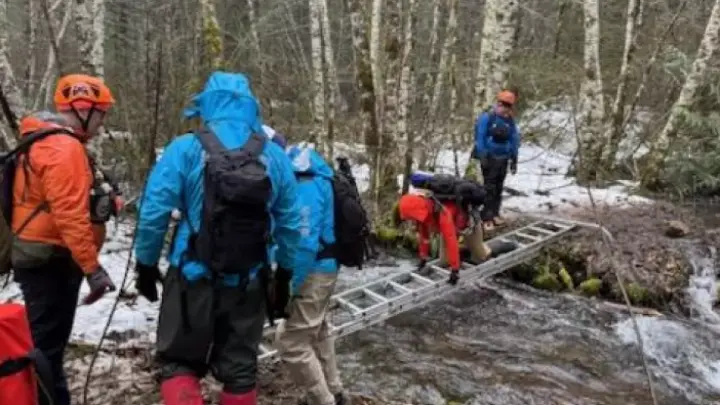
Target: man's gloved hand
[(454, 277), (282, 292), (146, 281), (513, 167), (100, 283)]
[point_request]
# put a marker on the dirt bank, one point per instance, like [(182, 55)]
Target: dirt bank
[(649, 253)]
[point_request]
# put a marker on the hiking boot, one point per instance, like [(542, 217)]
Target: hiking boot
[(499, 221), (181, 390)]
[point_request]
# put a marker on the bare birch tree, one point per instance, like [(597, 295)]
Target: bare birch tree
[(316, 54), (591, 106), (10, 90), (707, 51), (333, 96), (406, 90), (614, 130)]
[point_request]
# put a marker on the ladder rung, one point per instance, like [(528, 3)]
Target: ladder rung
[(506, 240), (541, 230), (439, 269), (374, 295), (524, 235), (349, 305), (399, 287), (421, 278)]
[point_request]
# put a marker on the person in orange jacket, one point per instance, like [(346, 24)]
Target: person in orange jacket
[(448, 219), (55, 244)]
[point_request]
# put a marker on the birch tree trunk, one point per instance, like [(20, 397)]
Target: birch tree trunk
[(98, 31), (331, 77), (707, 51), (316, 53), (89, 36), (505, 24), (32, 11), (211, 37), (614, 130), (377, 78), (45, 89), (487, 39), (10, 89), (405, 92), (591, 108)]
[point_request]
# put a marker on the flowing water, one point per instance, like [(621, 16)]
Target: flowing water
[(502, 343)]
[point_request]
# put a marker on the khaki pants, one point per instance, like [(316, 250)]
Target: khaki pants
[(311, 362), (479, 251)]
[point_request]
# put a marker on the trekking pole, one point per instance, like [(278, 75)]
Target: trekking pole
[(153, 139)]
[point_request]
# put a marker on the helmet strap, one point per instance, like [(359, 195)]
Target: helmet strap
[(84, 122)]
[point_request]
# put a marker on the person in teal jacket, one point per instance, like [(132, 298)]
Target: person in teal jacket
[(230, 110), (309, 357)]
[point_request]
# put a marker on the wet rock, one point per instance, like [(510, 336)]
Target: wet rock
[(676, 229), (426, 395)]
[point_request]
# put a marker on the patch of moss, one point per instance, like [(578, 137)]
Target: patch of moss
[(637, 293), (591, 287), (387, 234), (565, 278), (547, 281)]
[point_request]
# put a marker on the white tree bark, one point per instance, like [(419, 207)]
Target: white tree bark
[(614, 130), (44, 92), (707, 51), (487, 39), (98, 30), (335, 98), (32, 11), (591, 108), (316, 54), (253, 25), (212, 37), (445, 55), (405, 92), (87, 37), (505, 27), (10, 89), (375, 63), (498, 39)]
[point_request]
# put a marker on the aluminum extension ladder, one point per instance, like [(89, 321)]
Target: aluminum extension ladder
[(359, 308)]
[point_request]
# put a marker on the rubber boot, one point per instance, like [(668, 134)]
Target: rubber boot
[(247, 398), (181, 390)]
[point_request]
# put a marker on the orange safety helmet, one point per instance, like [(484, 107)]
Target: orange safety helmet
[(79, 92), (507, 97)]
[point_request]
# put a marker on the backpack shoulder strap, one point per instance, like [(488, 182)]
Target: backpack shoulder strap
[(25, 144), (255, 144), (209, 141)]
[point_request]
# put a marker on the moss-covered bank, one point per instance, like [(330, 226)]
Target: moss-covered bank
[(649, 254)]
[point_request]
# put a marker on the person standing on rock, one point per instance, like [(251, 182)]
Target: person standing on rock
[(497, 142), (238, 194), (55, 241), (302, 342)]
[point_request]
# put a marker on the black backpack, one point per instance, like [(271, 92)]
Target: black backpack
[(446, 187), (235, 228), (9, 163), (352, 228)]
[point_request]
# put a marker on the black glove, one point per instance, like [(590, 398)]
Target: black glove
[(100, 283), (281, 293), (146, 281), (513, 166), (454, 277)]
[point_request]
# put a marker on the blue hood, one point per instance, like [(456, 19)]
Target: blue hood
[(307, 160), (226, 96)]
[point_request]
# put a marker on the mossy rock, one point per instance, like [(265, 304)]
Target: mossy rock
[(591, 287), (547, 281), (637, 293), (387, 234)]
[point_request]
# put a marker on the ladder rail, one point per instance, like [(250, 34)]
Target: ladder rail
[(407, 298)]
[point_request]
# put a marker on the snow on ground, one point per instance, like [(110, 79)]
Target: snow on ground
[(540, 181)]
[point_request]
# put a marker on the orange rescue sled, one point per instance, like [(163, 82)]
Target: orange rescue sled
[(18, 359)]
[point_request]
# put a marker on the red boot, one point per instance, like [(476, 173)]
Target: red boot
[(181, 390), (248, 398)]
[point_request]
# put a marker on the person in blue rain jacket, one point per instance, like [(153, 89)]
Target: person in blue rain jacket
[(497, 142), (228, 108), (309, 357)]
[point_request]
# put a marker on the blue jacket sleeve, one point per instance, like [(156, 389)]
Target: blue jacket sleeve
[(287, 231), (515, 143), (161, 195), (481, 125)]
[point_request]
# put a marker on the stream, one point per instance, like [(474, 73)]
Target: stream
[(504, 343)]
